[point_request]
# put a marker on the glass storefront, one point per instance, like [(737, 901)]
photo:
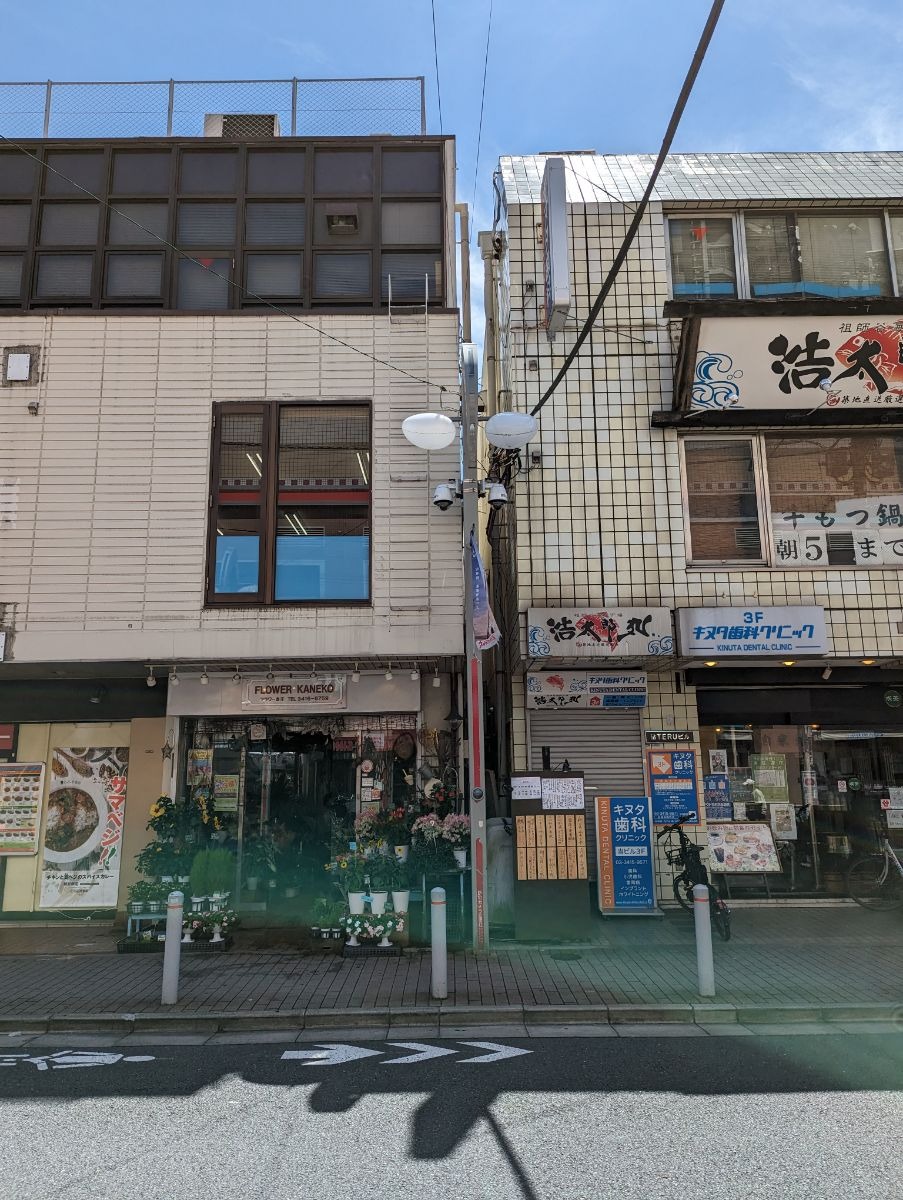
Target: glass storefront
[(824, 795), (281, 789)]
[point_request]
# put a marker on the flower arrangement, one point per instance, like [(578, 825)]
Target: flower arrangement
[(456, 830), (350, 870), (367, 827), (427, 829), (396, 826), (369, 926), (226, 918)]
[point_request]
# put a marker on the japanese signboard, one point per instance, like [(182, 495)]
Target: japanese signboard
[(717, 798), (624, 854), (716, 632), (21, 793), (311, 692), (870, 527), (598, 633), (550, 847), (746, 848), (797, 362), (769, 775), (83, 828), (672, 783), (556, 269), (668, 737), (225, 793), (584, 689), (553, 790)]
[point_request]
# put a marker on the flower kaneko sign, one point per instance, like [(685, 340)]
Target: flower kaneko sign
[(310, 692), (796, 362), (598, 633)]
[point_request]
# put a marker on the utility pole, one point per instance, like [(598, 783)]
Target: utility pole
[(473, 665)]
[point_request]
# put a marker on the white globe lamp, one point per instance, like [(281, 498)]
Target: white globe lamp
[(510, 430), (429, 430)]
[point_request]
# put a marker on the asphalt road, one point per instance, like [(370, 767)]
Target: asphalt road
[(639, 1117)]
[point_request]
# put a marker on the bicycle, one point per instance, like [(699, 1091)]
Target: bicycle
[(689, 856), (876, 880)]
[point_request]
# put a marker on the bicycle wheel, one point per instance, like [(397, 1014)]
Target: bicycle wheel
[(721, 919), (683, 893), (874, 884)]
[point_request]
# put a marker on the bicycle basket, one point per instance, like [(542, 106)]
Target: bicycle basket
[(673, 855)]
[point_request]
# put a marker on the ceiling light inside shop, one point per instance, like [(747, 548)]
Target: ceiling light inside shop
[(711, 663)]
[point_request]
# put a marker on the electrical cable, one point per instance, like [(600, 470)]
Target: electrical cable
[(476, 167), (637, 218), (331, 337), (436, 58)]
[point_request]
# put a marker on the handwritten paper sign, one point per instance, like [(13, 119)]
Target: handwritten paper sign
[(562, 792), (526, 787)]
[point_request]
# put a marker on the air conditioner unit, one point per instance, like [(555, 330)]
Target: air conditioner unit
[(241, 125)]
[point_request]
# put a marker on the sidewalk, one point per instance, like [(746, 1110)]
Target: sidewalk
[(840, 963)]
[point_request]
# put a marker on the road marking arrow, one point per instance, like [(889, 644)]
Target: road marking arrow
[(500, 1052), (330, 1054), (425, 1052)]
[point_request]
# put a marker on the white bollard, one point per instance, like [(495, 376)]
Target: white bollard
[(172, 948), (438, 943), (705, 963)]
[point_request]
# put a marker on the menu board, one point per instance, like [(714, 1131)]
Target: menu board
[(742, 848), (551, 846), (21, 793)]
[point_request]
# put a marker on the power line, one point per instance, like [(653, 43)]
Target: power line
[(621, 256), (436, 58), (331, 337), (482, 106)]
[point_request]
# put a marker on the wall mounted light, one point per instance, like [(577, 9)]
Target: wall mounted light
[(98, 694), (711, 663), (151, 680), (827, 673), (868, 662), (356, 674), (437, 682), (270, 675), (789, 662), (236, 678), (388, 672), (205, 678), (173, 678)]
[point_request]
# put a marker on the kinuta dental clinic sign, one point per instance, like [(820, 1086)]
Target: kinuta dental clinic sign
[(311, 692)]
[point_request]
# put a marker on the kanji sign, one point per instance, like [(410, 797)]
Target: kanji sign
[(717, 632), (598, 633), (672, 784), (585, 689), (624, 854), (797, 362)]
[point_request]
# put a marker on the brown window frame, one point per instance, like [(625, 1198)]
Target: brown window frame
[(264, 597)]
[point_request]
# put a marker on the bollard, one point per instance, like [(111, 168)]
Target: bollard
[(439, 977), (172, 948), (705, 963)]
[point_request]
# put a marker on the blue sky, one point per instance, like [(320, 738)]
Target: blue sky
[(781, 74)]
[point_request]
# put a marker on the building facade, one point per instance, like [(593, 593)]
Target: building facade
[(710, 514), (221, 567)]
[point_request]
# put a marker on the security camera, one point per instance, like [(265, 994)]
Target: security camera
[(498, 497), (443, 496)]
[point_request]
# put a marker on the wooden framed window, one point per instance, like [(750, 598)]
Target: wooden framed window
[(290, 504)]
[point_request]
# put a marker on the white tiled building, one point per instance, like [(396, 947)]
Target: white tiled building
[(705, 451)]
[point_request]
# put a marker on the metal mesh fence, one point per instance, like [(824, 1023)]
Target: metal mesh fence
[(303, 107)]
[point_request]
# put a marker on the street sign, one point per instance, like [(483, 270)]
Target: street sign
[(668, 737)]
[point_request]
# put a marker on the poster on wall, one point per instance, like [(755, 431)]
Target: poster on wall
[(82, 842), (783, 822), (225, 793), (769, 773), (743, 849), (672, 781), (624, 854), (585, 689), (200, 768), (21, 792), (717, 798)]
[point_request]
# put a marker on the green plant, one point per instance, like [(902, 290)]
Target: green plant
[(398, 875), (349, 871), (381, 873), (259, 856), (367, 925), (200, 874), (144, 890), (220, 870)]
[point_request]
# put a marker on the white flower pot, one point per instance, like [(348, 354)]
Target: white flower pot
[(167, 879), (217, 934), (186, 935), (402, 852), (384, 943), (401, 900), (197, 903), (352, 940), (356, 903), (460, 858), (378, 901)]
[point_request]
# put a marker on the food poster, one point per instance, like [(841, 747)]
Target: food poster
[(21, 793), (742, 849), (82, 841)]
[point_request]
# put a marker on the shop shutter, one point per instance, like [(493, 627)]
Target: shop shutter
[(606, 746)]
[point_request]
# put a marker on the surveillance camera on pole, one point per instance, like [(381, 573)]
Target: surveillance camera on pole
[(497, 495), (443, 496)]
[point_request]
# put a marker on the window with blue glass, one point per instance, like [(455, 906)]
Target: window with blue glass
[(291, 504), (827, 253)]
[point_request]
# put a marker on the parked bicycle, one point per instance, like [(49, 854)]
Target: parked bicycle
[(685, 853), (876, 880)]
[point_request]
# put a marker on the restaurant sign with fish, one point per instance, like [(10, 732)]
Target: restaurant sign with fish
[(811, 362), (82, 842), (585, 689)]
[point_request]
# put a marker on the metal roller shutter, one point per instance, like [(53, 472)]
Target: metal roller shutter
[(606, 746)]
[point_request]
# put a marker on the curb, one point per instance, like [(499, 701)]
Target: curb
[(532, 1015)]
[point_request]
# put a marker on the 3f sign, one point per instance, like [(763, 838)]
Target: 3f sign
[(555, 246)]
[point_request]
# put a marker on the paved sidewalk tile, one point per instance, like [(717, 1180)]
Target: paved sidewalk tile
[(570, 1031), (648, 1029)]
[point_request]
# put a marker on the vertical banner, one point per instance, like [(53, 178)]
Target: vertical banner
[(485, 629), (624, 854), (83, 828)]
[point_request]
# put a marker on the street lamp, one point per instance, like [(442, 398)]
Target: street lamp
[(436, 431)]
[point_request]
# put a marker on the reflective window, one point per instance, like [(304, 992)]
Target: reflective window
[(702, 256)]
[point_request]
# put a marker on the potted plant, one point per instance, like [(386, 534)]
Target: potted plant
[(371, 927), (351, 870), (456, 831), (259, 858), (199, 880), (399, 884), (397, 833), (367, 832), (380, 882), (220, 874), (144, 893)]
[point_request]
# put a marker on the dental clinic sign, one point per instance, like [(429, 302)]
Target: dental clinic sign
[(757, 632), (314, 692)]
